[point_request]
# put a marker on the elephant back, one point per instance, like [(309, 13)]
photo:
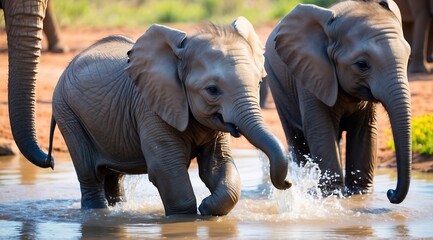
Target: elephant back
[(107, 56)]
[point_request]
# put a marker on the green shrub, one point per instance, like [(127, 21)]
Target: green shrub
[(133, 13), (422, 135), (322, 3), (143, 12), (281, 7)]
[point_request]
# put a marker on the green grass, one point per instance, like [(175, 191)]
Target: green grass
[(110, 13), (422, 135), (133, 13)]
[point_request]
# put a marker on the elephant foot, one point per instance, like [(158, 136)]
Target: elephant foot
[(357, 190), (86, 204), (332, 186), (58, 48), (113, 200), (333, 190), (92, 197)]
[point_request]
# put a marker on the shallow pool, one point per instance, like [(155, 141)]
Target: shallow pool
[(44, 204)]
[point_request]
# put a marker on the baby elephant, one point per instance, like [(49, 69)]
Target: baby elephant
[(154, 105), (328, 68)]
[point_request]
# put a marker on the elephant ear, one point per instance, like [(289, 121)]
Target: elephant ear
[(301, 42), (393, 7), (246, 30), (153, 66)]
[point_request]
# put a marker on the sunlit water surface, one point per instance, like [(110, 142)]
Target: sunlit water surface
[(44, 204)]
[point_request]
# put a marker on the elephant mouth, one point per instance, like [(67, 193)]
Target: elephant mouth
[(230, 127), (233, 129), (366, 94)]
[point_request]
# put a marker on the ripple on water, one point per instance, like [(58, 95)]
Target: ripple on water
[(51, 207)]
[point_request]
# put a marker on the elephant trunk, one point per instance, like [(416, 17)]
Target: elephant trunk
[(24, 33), (397, 104), (252, 126)]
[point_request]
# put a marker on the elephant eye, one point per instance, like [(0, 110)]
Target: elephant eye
[(362, 65), (212, 90)]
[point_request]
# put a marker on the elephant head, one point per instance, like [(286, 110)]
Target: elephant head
[(356, 48), (23, 20), (213, 77)]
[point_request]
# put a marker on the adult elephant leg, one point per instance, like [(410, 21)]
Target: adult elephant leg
[(430, 44), (361, 153), (421, 27), (407, 19), (51, 30), (23, 20)]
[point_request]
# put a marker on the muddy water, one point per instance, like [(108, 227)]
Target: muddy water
[(43, 204)]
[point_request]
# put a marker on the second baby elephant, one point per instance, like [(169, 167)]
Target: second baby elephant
[(327, 70), (154, 105)]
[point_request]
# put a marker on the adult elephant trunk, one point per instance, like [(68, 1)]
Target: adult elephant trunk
[(23, 20), (396, 100), (251, 124)]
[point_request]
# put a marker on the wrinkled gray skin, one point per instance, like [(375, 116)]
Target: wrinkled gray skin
[(23, 21), (417, 16), (327, 70), (172, 98)]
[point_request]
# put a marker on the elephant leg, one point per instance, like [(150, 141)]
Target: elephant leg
[(407, 31), (430, 45), (51, 30), (421, 27), (297, 145), (322, 135), (220, 175), (361, 144), (83, 155), (170, 176), (113, 186)]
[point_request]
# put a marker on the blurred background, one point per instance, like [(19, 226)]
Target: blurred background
[(133, 13)]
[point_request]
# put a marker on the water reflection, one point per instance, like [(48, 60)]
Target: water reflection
[(40, 203)]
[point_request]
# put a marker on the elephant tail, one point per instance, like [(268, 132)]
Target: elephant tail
[(50, 148)]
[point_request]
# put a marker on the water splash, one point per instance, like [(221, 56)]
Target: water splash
[(304, 200), (141, 197)]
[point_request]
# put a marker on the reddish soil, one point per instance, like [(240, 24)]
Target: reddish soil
[(52, 66)]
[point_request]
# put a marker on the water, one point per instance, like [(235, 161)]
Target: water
[(43, 204)]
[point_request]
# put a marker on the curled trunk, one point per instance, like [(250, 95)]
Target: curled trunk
[(252, 126), (397, 104)]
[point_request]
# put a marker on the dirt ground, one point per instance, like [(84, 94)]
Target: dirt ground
[(52, 66)]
